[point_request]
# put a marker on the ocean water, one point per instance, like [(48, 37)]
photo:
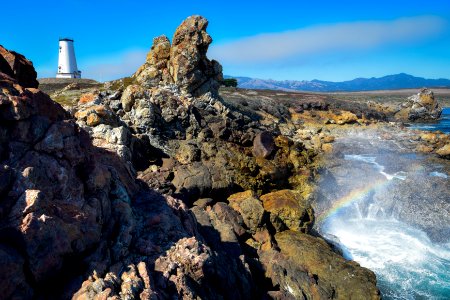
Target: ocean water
[(407, 263), (442, 125)]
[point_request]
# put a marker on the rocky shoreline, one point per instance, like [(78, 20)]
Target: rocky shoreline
[(163, 186)]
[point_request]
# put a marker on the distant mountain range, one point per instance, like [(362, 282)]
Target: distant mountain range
[(390, 82)]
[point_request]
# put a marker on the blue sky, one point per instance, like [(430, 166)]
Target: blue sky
[(299, 40)]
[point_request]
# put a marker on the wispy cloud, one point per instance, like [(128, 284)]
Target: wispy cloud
[(114, 66), (355, 36), (103, 68)]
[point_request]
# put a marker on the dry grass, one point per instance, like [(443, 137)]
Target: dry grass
[(383, 96), (392, 97)]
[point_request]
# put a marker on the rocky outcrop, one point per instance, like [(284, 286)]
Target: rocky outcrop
[(422, 106), (432, 142), (61, 197), (188, 65), (137, 192), (184, 62), (270, 231), (18, 67), (302, 269), (74, 221)]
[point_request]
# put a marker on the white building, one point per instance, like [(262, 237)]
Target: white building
[(67, 63)]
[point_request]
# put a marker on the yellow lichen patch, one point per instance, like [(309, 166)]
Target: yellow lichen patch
[(85, 98), (288, 210)]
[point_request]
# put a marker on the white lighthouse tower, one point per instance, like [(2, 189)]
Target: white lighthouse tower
[(67, 63)]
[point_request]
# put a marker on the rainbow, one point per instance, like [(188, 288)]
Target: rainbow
[(351, 197), (357, 194)]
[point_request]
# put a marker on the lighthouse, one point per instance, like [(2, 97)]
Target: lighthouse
[(67, 63)]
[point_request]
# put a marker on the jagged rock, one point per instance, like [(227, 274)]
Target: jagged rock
[(131, 93), (188, 153), (155, 69), (204, 277), (62, 195), (288, 210), (422, 106), (184, 62), (18, 67), (189, 66), (93, 115), (133, 283), (249, 207), (86, 225)]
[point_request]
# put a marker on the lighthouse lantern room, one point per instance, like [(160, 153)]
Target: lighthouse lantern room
[(67, 63)]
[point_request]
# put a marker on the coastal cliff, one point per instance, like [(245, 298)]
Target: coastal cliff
[(159, 186)]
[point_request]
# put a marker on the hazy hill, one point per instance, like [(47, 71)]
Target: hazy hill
[(390, 82)]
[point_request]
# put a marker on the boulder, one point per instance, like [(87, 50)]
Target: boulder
[(307, 268), (421, 106), (93, 115), (444, 151), (263, 144), (249, 207), (345, 117), (288, 210), (18, 67)]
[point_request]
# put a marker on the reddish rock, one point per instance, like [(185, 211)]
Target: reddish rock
[(62, 195), (18, 67), (263, 144)]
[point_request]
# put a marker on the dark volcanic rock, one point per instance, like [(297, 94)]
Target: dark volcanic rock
[(263, 144), (71, 211), (18, 67), (61, 195), (302, 269)]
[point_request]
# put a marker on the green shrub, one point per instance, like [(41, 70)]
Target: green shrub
[(230, 82)]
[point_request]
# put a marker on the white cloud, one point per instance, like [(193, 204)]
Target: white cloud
[(113, 67), (273, 47)]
